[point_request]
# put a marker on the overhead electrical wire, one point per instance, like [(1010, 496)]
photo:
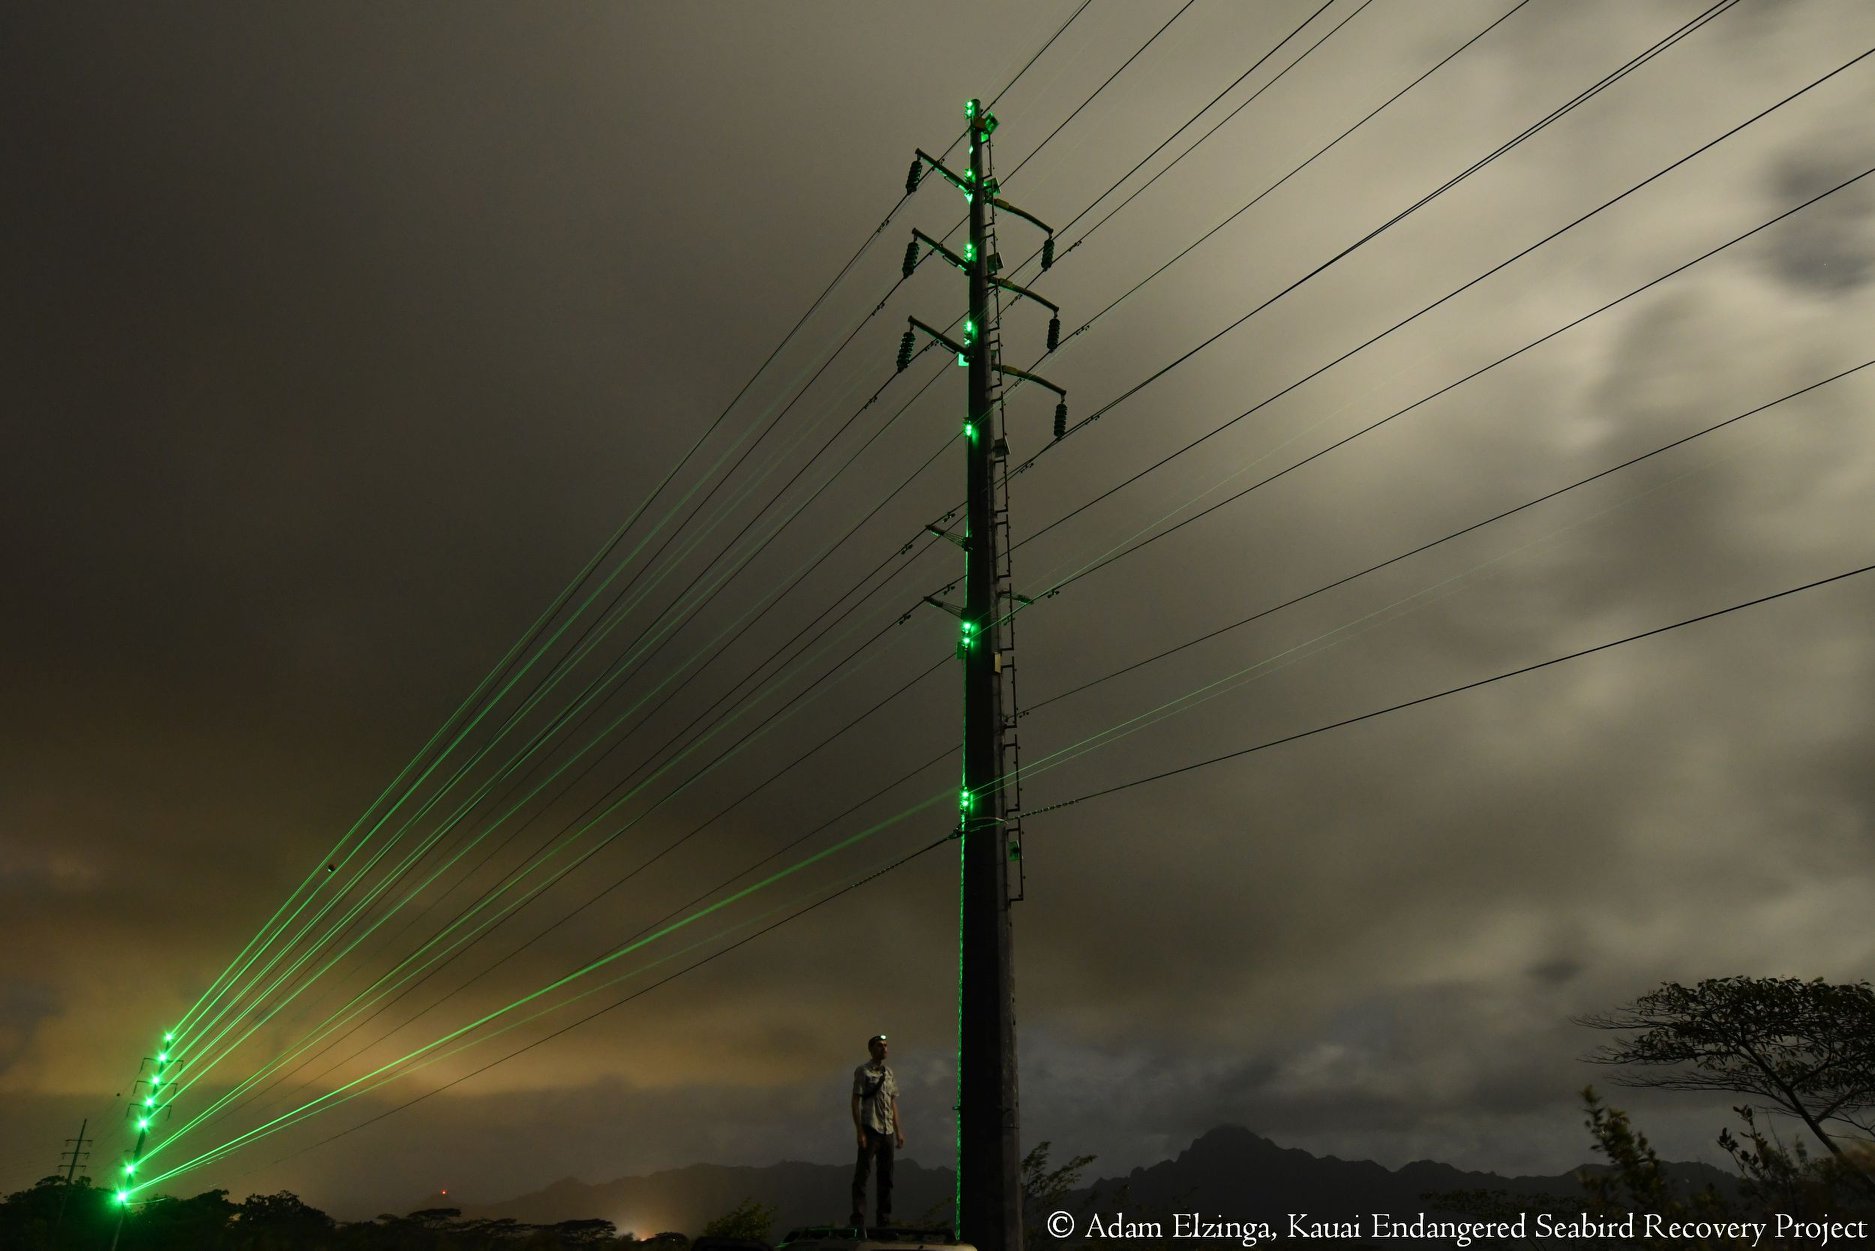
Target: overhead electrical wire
[(1168, 458), (1577, 321), (882, 224), (1075, 750), (1501, 150), (1508, 145), (269, 931), (845, 269), (1080, 748), (462, 771), (1019, 75), (1428, 546), (1122, 549), (1046, 45), (532, 634), (865, 878), (592, 967), (1170, 165), (819, 687), (1105, 83), (1453, 690)]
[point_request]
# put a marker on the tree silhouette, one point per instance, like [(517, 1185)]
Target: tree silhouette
[(1804, 1049)]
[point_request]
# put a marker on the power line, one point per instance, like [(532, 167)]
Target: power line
[(1049, 43), (668, 537), (1254, 67), (1112, 556), (1530, 131), (870, 876), (1454, 690), (1105, 83), (1425, 547), (542, 735)]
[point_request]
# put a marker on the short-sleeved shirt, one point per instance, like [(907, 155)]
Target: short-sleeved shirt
[(877, 1089)]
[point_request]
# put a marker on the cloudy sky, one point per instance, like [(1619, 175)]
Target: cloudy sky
[(337, 342)]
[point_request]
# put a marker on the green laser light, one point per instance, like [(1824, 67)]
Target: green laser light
[(965, 800), (150, 1102), (143, 1124), (163, 1059), (970, 432), (962, 359), (123, 1197)]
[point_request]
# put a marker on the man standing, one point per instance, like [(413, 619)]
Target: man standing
[(877, 1127)]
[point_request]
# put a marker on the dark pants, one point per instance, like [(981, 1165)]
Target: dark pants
[(879, 1145)]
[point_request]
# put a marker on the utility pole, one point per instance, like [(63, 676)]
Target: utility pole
[(77, 1153), (989, 1189), (144, 1113)]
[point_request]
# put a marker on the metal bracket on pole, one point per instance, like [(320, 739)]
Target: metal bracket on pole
[(945, 534), (941, 337), (1029, 377), (961, 184), (1032, 219), (935, 246), (1010, 286)]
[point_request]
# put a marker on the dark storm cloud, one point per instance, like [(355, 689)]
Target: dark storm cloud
[(340, 343), (1835, 254)]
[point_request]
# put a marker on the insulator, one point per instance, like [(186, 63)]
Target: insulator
[(905, 347), (1048, 251), (1061, 419), (911, 257), (1054, 333), (911, 179)]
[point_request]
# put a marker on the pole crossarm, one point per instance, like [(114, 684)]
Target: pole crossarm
[(998, 202), (1026, 376), (959, 183), (935, 246), (941, 337), (1006, 285)]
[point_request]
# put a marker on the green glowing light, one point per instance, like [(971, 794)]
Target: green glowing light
[(970, 254), (962, 359), (313, 1106), (970, 432), (970, 108), (970, 328), (130, 1168), (150, 1102), (163, 1059), (965, 800), (123, 1197), (144, 1124)]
